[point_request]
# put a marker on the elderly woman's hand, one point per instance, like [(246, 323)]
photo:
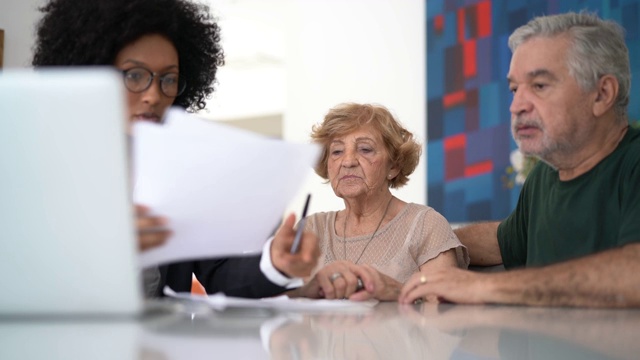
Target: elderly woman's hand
[(152, 230), (304, 260), (337, 280), (346, 280), (377, 286)]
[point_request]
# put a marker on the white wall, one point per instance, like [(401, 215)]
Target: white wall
[(252, 81), (18, 18), (361, 51)]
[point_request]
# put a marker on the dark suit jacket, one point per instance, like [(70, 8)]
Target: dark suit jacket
[(238, 276)]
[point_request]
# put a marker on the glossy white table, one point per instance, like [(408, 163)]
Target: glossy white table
[(390, 331)]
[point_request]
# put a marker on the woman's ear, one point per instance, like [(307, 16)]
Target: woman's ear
[(393, 172), (607, 92)]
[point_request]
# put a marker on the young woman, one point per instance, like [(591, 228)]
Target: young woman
[(168, 52)]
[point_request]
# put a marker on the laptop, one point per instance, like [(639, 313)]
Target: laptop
[(68, 245)]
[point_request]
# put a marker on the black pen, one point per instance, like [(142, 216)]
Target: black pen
[(296, 240)]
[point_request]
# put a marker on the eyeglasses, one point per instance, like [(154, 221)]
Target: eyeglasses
[(139, 79)]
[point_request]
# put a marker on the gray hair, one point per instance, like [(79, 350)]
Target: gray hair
[(598, 49)]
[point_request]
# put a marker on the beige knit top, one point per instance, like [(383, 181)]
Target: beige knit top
[(416, 235)]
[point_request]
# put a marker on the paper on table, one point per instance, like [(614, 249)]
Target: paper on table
[(223, 190), (219, 301)]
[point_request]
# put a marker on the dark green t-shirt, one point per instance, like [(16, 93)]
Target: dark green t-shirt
[(561, 220)]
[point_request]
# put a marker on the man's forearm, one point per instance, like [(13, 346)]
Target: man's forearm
[(607, 279), (481, 239)]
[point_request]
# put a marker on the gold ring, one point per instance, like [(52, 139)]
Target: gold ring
[(423, 279), (334, 276)]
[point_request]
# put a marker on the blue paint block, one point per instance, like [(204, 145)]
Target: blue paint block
[(479, 188), (434, 8), (435, 162), (479, 210), (449, 36), (489, 102), (485, 60), (435, 75), (454, 121), (513, 5), (435, 118), (630, 22), (501, 145), (435, 197), (479, 146), (454, 208)]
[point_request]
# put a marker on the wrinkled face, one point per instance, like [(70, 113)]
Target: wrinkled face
[(158, 55), (358, 164), (551, 115)]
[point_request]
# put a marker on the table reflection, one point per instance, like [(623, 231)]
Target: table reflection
[(389, 331), (232, 334), (514, 332), (380, 334)]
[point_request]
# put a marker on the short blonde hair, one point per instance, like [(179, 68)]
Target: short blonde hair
[(404, 152)]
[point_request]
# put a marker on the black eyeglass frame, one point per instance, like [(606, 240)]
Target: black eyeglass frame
[(182, 84)]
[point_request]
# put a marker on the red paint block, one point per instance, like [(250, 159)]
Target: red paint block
[(479, 168), (469, 60), (484, 18), (453, 99)]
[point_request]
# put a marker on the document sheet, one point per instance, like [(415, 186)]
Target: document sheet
[(223, 190), (280, 303)]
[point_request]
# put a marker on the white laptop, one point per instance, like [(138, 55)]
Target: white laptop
[(67, 244)]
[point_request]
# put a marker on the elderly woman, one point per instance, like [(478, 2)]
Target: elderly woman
[(369, 249)]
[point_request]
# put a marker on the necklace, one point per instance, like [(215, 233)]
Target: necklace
[(344, 233)]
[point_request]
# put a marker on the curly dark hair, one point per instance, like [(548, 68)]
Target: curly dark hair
[(92, 32)]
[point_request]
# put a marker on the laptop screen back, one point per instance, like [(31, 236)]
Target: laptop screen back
[(67, 244)]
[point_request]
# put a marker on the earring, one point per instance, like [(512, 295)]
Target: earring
[(389, 176)]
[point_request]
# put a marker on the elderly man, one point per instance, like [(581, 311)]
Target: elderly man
[(574, 236)]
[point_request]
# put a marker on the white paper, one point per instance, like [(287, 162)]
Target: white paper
[(224, 190), (219, 301)]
